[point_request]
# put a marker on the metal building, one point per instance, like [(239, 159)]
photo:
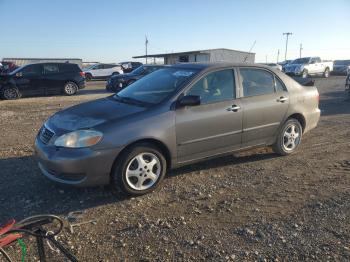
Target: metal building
[(25, 61), (205, 56)]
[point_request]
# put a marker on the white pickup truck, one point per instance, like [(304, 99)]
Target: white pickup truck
[(308, 66)]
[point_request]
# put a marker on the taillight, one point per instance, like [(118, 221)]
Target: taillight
[(82, 74)]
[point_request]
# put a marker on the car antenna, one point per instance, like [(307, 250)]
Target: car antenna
[(245, 59)]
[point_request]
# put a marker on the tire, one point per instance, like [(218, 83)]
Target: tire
[(88, 77), (287, 141), (304, 74), (10, 93), (326, 73), (134, 173), (70, 88)]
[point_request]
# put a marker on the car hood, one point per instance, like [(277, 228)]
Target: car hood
[(293, 65), (91, 114)]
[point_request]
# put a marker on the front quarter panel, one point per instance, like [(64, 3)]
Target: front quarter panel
[(157, 124)]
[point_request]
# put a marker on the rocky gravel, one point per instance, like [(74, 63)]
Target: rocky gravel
[(250, 206)]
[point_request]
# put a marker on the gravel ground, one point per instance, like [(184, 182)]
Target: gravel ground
[(249, 206)]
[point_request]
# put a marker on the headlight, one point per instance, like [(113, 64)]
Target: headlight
[(80, 138)]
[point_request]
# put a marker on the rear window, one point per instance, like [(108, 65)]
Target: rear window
[(69, 68), (257, 82)]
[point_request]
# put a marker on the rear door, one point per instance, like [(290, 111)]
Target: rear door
[(265, 101), (214, 126), (53, 81), (97, 71), (29, 80)]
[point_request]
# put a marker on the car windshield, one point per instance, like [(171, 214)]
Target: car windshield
[(304, 60), (17, 70), (342, 62), (139, 70), (155, 87)]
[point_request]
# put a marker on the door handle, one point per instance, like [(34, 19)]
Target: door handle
[(233, 108), (282, 99)]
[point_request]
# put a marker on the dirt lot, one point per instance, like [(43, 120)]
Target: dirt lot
[(251, 206)]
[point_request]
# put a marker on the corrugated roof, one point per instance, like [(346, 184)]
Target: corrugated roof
[(191, 52)]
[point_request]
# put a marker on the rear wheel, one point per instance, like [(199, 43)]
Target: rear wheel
[(70, 88), (289, 138), (326, 73), (10, 93), (139, 170)]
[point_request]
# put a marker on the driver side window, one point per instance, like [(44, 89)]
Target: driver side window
[(31, 70), (215, 87)]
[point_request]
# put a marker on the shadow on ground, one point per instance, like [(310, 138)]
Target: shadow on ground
[(25, 192)]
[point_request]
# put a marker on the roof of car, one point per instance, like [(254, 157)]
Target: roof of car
[(202, 66)]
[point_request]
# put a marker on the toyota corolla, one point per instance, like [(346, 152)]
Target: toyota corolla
[(175, 116)]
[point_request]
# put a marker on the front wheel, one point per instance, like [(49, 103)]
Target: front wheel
[(289, 138), (70, 88), (139, 170), (10, 93)]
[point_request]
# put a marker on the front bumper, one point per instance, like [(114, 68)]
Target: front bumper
[(79, 167)]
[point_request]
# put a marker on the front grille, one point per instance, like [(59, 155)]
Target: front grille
[(46, 135)]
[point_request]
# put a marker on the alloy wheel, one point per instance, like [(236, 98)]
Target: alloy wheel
[(291, 137), (70, 88), (143, 171), (10, 93)]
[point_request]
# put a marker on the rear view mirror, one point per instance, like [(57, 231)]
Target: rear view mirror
[(189, 101)]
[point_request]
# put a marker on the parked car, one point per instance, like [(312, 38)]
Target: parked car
[(42, 79), (274, 65), (309, 66), (175, 116), (341, 67), (128, 67), (118, 82), (102, 71)]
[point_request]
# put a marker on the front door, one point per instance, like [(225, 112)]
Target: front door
[(214, 126), (265, 102), (29, 80)]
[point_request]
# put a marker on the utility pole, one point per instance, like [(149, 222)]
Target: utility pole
[(278, 56), (266, 59), (287, 34), (146, 44), (301, 48)]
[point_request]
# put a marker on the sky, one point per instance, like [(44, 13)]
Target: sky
[(114, 31)]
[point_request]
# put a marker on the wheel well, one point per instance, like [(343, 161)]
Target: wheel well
[(162, 147), (300, 118)]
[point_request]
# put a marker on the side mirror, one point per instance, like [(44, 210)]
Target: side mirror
[(189, 101)]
